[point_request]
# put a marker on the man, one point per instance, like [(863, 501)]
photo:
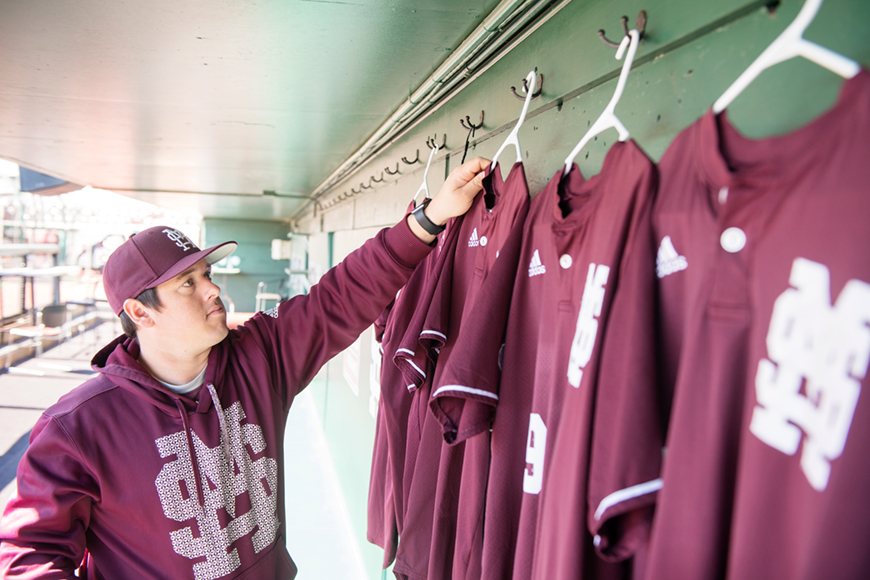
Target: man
[(169, 464)]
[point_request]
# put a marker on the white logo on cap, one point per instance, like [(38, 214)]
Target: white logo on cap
[(179, 238)]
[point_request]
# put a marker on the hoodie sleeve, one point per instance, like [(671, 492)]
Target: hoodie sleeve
[(42, 534), (301, 334)]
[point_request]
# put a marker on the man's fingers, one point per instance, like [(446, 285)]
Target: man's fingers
[(469, 170), (477, 164), (475, 185)]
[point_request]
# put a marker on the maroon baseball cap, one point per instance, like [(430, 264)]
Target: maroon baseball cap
[(150, 258)]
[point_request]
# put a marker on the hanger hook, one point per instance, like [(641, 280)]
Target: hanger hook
[(640, 26), (537, 93), (369, 186), (387, 169), (471, 126), (373, 180), (425, 185), (417, 160)]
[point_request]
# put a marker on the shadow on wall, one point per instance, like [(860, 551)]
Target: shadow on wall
[(9, 460)]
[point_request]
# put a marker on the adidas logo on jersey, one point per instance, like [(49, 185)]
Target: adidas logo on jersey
[(536, 267), (473, 241), (668, 261)]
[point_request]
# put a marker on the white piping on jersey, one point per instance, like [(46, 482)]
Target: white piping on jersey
[(627, 494), (416, 368), (410, 362), (435, 332), (462, 389)]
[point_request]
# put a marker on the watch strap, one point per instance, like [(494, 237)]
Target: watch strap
[(424, 221)]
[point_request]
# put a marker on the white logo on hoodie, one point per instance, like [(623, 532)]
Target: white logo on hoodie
[(221, 485)]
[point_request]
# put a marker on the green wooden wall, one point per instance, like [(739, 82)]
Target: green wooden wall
[(255, 258), (691, 52)]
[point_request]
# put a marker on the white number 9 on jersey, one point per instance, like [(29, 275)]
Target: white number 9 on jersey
[(536, 447)]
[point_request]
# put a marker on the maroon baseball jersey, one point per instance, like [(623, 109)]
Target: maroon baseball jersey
[(569, 271), (437, 541), (381, 520), (388, 456), (765, 293)]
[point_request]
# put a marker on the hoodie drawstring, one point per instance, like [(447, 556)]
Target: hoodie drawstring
[(225, 434), (197, 475)]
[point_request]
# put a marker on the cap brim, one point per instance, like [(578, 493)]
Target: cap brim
[(211, 255)]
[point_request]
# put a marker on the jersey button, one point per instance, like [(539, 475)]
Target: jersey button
[(565, 261), (733, 240)]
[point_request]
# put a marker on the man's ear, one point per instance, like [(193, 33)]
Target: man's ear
[(137, 312)]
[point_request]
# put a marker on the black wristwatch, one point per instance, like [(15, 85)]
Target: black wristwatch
[(424, 221)]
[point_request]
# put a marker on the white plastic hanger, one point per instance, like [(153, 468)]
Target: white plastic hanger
[(425, 185), (788, 45), (512, 138), (608, 118)]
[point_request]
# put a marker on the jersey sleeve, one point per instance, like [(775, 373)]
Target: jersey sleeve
[(300, 335), (426, 333), (466, 396), (627, 435), (42, 534)]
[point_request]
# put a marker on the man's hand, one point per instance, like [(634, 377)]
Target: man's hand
[(454, 198)]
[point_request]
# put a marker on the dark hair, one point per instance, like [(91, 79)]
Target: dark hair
[(148, 298)]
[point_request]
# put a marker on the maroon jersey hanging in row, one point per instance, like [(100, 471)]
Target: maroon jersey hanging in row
[(385, 509), (439, 539), (764, 267), (585, 244)]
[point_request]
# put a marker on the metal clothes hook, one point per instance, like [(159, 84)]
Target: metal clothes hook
[(539, 84), (471, 126), (381, 180), (640, 25), (387, 169), (353, 191), (431, 143), (417, 160), (361, 186)]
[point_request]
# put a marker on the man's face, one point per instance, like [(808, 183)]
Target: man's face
[(191, 318)]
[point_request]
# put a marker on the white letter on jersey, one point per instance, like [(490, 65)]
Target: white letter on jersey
[(536, 447), (821, 350), (587, 325)]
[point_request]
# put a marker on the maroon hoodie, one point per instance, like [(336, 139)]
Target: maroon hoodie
[(156, 485)]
